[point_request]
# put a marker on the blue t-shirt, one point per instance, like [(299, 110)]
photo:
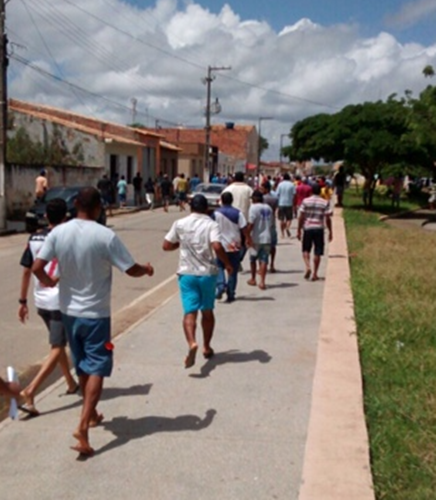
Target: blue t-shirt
[(285, 193)]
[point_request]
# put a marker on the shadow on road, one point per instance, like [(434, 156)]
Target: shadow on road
[(222, 358), (125, 429)]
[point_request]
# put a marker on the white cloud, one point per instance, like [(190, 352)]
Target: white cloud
[(412, 12), (159, 55)]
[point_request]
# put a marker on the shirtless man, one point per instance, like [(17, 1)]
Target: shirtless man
[(41, 186)]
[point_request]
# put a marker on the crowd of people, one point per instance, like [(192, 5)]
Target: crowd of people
[(72, 267)]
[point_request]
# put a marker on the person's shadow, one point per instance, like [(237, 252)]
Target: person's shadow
[(125, 429), (232, 356), (108, 393)]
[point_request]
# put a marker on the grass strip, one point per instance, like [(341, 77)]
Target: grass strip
[(393, 281)]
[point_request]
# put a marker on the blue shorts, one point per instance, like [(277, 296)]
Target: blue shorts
[(260, 253), (88, 338), (197, 292)]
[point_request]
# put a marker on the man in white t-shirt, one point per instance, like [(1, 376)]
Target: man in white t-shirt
[(241, 193), (86, 252), (47, 305), (199, 239)]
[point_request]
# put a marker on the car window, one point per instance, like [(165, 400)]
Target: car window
[(209, 188)]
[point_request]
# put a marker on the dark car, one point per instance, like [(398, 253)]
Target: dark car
[(212, 192), (35, 216)]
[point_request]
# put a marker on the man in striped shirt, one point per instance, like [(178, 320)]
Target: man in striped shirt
[(315, 213)]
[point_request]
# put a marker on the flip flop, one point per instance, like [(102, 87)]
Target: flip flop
[(95, 422), (74, 391), (29, 410), (307, 274), (190, 358)]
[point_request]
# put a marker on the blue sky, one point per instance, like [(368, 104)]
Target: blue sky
[(408, 21)]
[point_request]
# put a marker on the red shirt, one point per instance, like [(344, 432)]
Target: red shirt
[(303, 191)]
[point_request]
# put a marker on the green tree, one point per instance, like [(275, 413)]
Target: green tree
[(368, 137), (264, 145)]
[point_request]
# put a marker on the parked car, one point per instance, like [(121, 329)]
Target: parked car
[(35, 216), (212, 192)]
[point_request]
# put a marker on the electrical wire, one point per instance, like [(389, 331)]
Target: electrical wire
[(50, 53)]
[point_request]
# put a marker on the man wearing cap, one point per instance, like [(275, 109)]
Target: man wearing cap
[(199, 239), (260, 226)]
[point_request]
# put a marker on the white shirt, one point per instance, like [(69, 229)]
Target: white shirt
[(241, 196), (45, 297), (195, 233), (86, 252), (230, 221)]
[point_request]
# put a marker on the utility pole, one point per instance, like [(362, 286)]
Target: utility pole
[(208, 81), (3, 110), (259, 141)]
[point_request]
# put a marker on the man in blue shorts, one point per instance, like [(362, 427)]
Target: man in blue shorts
[(199, 239), (86, 252)]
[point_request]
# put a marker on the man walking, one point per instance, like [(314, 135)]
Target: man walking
[(137, 189), (273, 202), (106, 188), (260, 221), (315, 214), (41, 186), (286, 195), (199, 239), (86, 252), (165, 189), (47, 306), (231, 222)]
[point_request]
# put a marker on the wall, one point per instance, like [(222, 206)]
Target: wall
[(20, 184), (84, 149)]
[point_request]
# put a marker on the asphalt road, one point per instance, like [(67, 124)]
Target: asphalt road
[(25, 345)]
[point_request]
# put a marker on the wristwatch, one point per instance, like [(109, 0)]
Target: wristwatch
[(23, 302)]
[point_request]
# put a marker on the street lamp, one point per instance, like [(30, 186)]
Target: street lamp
[(259, 141)]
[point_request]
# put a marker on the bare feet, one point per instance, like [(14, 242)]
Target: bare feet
[(272, 269), (83, 446), (262, 286), (315, 278), (251, 282), (307, 274), (96, 419), (190, 358), (208, 353)]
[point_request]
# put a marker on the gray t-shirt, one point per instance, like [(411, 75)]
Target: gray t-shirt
[(86, 252), (261, 216)]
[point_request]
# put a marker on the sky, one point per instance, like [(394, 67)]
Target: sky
[(146, 60)]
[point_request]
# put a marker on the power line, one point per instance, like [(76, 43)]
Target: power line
[(49, 75), (49, 51)]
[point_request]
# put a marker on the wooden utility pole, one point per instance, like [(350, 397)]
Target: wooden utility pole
[(3, 111)]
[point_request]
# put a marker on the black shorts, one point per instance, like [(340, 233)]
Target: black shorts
[(285, 213), (57, 336), (313, 237)]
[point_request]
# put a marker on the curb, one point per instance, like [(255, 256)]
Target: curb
[(337, 458)]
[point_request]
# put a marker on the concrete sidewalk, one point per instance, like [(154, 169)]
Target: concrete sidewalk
[(230, 428), (239, 426)]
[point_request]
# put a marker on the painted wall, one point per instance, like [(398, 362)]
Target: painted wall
[(20, 184), (84, 149)]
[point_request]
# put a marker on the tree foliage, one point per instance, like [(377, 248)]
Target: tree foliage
[(372, 137)]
